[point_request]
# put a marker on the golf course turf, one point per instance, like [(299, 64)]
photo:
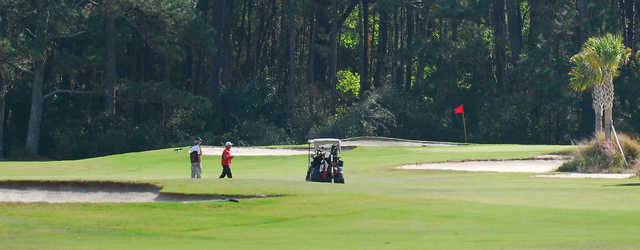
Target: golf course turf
[(379, 207)]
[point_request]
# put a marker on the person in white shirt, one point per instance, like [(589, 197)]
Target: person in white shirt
[(195, 154)]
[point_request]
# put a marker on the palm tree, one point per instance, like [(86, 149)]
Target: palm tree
[(594, 67)]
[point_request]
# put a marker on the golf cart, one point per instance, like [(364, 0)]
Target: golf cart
[(324, 163)]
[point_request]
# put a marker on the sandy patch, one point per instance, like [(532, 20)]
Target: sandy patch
[(506, 166), (372, 142), (583, 175), (37, 195), (346, 145), (254, 151), (97, 192)]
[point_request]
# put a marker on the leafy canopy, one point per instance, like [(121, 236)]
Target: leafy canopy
[(598, 60)]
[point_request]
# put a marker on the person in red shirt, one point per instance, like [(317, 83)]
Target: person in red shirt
[(226, 160)]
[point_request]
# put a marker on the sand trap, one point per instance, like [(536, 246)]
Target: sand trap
[(254, 151), (346, 145), (39, 195), (583, 175), (95, 192), (383, 142), (541, 165)]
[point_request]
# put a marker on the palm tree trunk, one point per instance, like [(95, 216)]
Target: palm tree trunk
[(598, 115), (608, 107), (608, 121)]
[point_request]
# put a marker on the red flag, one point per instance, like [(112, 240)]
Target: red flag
[(459, 109)]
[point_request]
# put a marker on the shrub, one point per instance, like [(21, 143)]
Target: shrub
[(597, 156), (257, 133), (367, 117)]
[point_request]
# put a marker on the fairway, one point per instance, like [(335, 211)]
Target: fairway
[(379, 207)]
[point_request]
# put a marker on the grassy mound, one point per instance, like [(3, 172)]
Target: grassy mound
[(597, 156)]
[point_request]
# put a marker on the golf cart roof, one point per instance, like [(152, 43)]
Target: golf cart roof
[(324, 141)]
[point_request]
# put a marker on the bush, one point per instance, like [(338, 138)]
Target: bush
[(256, 133), (366, 118), (597, 156)]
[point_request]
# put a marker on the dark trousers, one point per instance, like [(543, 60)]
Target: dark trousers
[(226, 171)]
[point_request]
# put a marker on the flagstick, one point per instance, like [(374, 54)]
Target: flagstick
[(464, 124)]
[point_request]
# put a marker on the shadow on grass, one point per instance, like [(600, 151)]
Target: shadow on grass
[(624, 185)]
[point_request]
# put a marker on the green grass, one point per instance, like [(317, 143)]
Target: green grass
[(379, 207)]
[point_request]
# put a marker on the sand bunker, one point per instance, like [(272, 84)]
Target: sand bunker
[(539, 165), (254, 151), (96, 192), (347, 145), (583, 176), (390, 142)]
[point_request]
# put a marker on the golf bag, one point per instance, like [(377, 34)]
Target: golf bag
[(326, 169)]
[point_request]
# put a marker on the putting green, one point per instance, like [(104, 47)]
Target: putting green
[(379, 207)]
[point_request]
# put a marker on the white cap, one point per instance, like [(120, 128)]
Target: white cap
[(228, 144)]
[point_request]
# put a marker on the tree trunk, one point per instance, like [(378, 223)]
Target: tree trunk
[(4, 30), (3, 106), (498, 25), (382, 48), (333, 54), (515, 29), (608, 106), (291, 88), (312, 51), (227, 43), (322, 46), (583, 15), (587, 102), (598, 115), (608, 121), (395, 79), (409, 44), (629, 24), (364, 47), (35, 117), (111, 73)]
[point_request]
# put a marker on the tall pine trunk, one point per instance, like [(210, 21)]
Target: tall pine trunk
[(3, 106), (629, 23), (35, 116), (587, 116), (111, 73), (4, 29), (395, 44), (515, 29), (382, 48), (409, 44), (333, 54), (499, 39), (291, 88), (364, 48), (227, 43)]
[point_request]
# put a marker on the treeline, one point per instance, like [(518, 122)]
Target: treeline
[(92, 77)]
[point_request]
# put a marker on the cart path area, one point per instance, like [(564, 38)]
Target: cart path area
[(541, 164)]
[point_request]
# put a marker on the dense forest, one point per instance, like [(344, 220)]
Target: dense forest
[(83, 78)]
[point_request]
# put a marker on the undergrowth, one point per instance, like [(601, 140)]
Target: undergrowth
[(596, 155)]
